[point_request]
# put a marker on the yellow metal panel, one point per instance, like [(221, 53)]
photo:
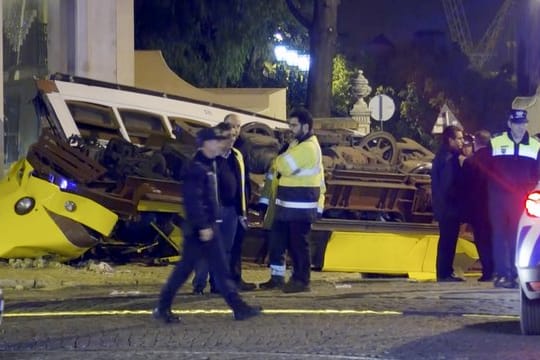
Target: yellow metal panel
[(87, 212), (159, 206), (388, 253), (36, 233)]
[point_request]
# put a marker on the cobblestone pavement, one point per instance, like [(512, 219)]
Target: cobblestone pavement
[(343, 317)]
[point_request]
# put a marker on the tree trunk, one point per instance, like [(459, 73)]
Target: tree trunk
[(323, 42)]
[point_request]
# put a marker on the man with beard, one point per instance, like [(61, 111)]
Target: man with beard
[(299, 201), (445, 181)]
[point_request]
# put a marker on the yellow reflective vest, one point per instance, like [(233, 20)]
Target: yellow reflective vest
[(300, 181), (243, 189), (514, 166), (268, 195)]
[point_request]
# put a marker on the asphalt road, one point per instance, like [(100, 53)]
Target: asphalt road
[(343, 317)]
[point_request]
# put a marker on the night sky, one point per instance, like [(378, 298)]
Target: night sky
[(399, 19), (362, 20)]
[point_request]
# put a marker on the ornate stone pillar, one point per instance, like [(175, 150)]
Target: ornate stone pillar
[(360, 111)]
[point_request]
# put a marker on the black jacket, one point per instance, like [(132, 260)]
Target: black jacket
[(200, 193), (230, 182), (445, 184), (475, 173)]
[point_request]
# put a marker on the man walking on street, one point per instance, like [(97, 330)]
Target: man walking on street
[(232, 193), (446, 200), (201, 232), (299, 200), (514, 172)]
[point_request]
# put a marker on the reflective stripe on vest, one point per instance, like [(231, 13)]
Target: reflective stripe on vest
[(297, 204), (299, 192), (301, 172), (240, 160)]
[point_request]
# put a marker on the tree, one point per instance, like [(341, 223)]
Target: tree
[(211, 43), (343, 93), (430, 72), (321, 21)]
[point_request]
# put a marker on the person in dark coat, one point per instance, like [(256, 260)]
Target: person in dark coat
[(201, 232), (242, 156), (445, 188), (233, 194), (475, 210)]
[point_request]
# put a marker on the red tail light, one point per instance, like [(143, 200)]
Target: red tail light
[(532, 204)]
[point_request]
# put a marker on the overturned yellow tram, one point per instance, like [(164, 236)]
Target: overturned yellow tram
[(103, 181)]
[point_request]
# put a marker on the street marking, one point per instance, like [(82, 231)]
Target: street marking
[(198, 312), (266, 311), (512, 317)]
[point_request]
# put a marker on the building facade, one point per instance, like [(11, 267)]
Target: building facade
[(87, 38)]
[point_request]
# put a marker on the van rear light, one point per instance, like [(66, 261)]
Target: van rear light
[(534, 285), (532, 204)]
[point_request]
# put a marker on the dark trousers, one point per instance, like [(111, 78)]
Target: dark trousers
[(482, 240), (446, 248), (504, 213), (292, 236), (227, 229), (236, 254), (193, 250)]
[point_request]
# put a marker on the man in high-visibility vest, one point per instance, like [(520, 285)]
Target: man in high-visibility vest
[(513, 173), (298, 201)]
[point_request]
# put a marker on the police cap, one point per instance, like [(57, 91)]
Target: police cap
[(518, 116), (210, 133)]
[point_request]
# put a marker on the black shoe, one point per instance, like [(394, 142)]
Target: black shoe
[(245, 286), (198, 292), (295, 286), (275, 282), (505, 282), (165, 316), (451, 278), (214, 291), (485, 278), (245, 312)]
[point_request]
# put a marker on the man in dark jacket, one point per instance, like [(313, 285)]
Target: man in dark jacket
[(445, 190), (201, 232), (475, 210), (238, 150), (233, 183)]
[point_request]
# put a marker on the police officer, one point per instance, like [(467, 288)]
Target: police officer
[(445, 191), (514, 172), (201, 233), (299, 200)]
